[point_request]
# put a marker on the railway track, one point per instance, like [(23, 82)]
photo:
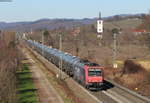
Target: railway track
[(119, 94), (110, 94), (126, 94)]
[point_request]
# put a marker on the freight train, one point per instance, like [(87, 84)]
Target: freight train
[(88, 74)]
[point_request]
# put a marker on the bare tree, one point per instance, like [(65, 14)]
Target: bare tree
[(48, 38), (8, 66)]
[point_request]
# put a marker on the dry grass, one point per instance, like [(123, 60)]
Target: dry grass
[(138, 82), (132, 80), (145, 64), (133, 76)]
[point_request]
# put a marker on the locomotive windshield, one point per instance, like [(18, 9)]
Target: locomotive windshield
[(94, 72)]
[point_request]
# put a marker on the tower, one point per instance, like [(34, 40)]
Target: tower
[(99, 25)]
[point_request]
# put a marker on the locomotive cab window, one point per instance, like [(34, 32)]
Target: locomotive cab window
[(94, 72)]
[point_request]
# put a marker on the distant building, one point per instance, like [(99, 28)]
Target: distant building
[(140, 31), (75, 31)]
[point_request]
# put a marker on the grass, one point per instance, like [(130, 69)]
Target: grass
[(26, 91)]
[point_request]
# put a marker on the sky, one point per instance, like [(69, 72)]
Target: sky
[(31, 10)]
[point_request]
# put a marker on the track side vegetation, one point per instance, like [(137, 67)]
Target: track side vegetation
[(26, 91), (9, 62)]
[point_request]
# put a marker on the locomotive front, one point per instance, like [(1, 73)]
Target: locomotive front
[(94, 77)]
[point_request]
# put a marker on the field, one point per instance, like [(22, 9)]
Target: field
[(126, 24)]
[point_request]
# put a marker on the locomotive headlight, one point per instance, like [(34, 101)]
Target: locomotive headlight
[(100, 83), (90, 84)]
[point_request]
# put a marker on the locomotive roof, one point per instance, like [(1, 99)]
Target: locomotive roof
[(86, 62)]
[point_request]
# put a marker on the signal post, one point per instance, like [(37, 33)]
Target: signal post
[(100, 29)]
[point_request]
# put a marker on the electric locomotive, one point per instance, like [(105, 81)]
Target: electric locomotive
[(90, 75)]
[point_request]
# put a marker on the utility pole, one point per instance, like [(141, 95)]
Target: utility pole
[(60, 48), (77, 48), (42, 42), (115, 32), (76, 33), (31, 32), (114, 50), (100, 28), (0, 34)]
